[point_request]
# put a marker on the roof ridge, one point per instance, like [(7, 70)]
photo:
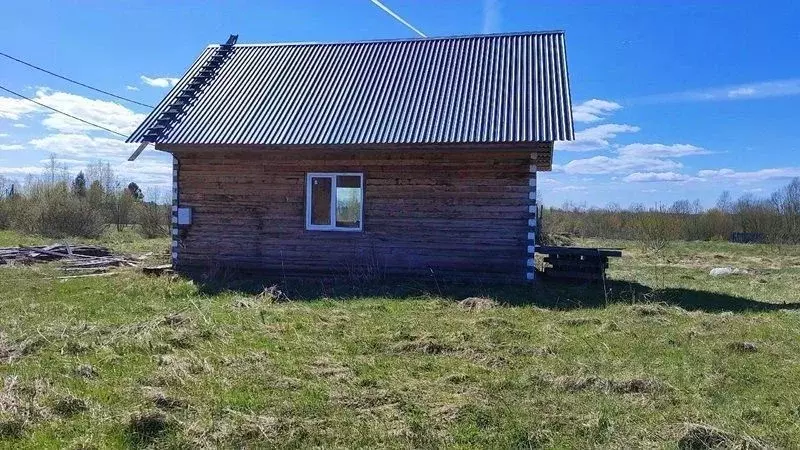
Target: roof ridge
[(413, 39)]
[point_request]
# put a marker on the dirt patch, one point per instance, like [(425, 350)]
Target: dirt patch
[(69, 406), (163, 401), (599, 384), (86, 371), (477, 303), (175, 319), (75, 348), (743, 347), (11, 427), (147, 425), (704, 437)]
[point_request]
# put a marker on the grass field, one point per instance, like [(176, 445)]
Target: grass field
[(671, 357)]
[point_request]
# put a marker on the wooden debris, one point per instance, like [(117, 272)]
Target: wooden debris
[(86, 275), (74, 257), (576, 262), (157, 270)]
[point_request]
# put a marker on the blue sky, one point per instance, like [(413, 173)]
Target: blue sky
[(672, 99)]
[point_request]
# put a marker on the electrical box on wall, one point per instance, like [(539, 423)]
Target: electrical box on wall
[(184, 217)]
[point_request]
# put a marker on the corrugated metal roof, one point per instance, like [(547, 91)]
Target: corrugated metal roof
[(483, 88)]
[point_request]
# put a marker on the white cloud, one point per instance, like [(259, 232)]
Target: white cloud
[(2, 135), (11, 147), (741, 92), (131, 88), (491, 16), (751, 176), (649, 177), (18, 171), (569, 188), (105, 113), (162, 82), (595, 138), (594, 110), (83, 146), (19, 125), (600, 165), (661, 150), (762, 89), (14, 108)]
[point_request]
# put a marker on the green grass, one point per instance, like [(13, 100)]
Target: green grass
[(403, 365)]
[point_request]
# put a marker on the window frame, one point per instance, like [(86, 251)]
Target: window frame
[(332, 226)]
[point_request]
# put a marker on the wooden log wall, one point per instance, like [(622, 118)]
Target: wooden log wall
[(455, 213)]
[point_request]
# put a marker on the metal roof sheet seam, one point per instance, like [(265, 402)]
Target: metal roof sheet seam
[(467, 89)]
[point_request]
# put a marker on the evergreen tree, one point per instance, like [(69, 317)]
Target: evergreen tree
[(135, 191), (79, 185)]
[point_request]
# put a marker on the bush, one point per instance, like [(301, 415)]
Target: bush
[(154, 220), (52, 211)]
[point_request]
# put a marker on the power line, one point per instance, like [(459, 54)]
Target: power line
[(73, 81), (62, 112)]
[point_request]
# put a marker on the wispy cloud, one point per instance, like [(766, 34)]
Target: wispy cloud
[(19, 125), (131, 88), (2, 135), (762, 89), (595, 138), (650, 177), (604, 165), (594, 110), (661, 150), (780, 173), (162, 82), (397, 17), (491, 16), (11, 147), (14, 108)]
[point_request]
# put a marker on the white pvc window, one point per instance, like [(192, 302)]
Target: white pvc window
[(335, 201)]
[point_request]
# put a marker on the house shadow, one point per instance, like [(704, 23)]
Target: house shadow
[(545, 293)]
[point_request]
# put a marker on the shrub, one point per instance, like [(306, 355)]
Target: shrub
[(54, 212), (153, 219)]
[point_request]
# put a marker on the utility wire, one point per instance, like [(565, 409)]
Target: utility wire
[(62, 112), (73, 81)]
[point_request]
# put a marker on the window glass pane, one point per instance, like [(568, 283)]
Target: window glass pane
[(321, 188), (348, 201)]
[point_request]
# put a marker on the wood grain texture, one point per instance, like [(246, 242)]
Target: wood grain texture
[(461, 214)]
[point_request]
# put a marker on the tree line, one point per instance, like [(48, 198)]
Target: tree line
[(772, 219), (58, 204)]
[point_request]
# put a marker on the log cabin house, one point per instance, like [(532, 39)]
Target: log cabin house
[(404, 157)]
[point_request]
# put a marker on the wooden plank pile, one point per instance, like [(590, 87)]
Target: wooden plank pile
[(577, 262), (83, 260)]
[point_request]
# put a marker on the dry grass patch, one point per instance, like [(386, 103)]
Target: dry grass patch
[(604, 385), (12, 351), (477, 303), (332, 370), (427, 344), (704, 437), (582, 321)]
